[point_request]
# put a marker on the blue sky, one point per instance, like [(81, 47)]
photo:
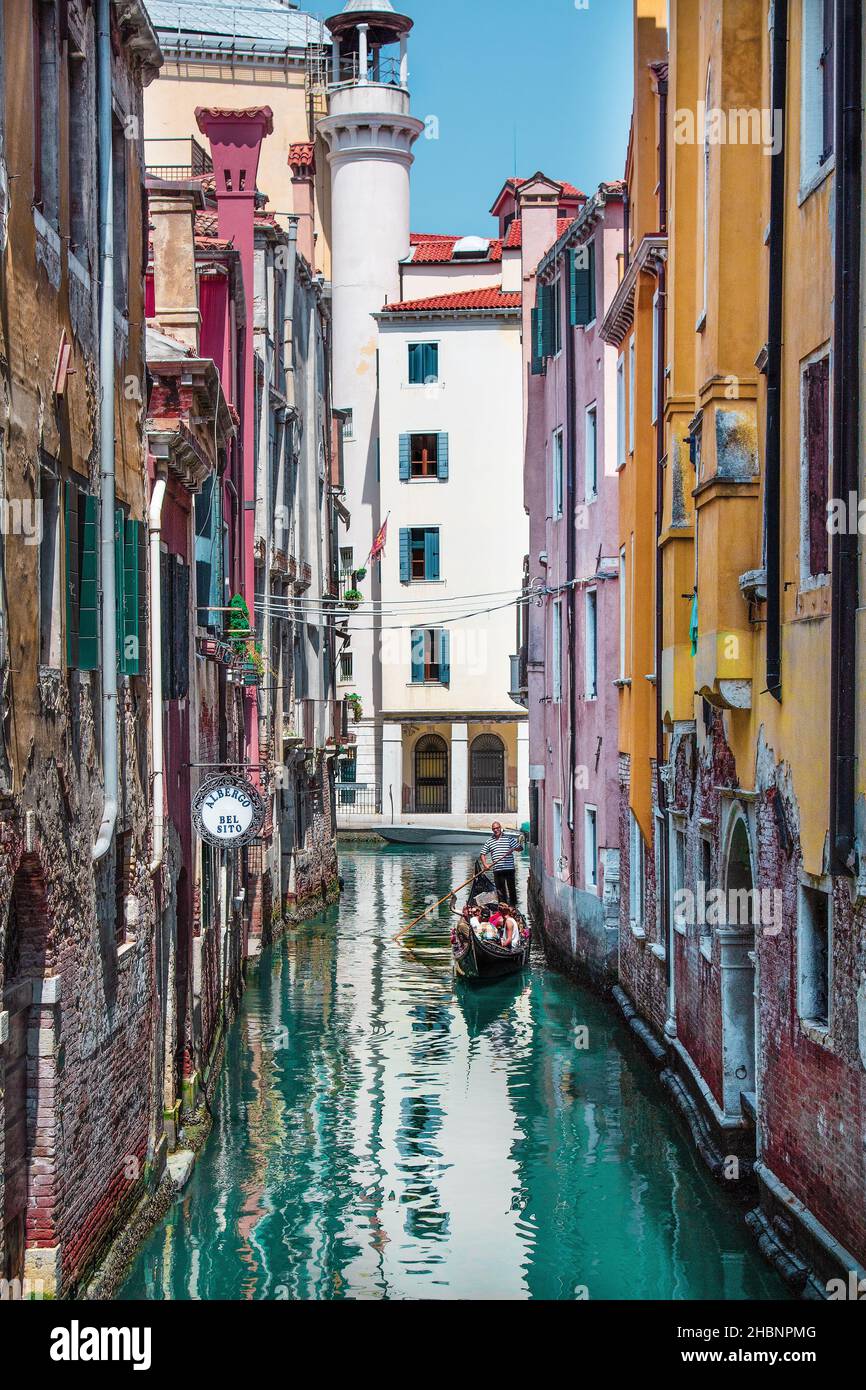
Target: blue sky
[(557, 74)]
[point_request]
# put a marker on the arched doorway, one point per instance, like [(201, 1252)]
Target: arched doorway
[(737, 961), (487, 775), (431, 775)]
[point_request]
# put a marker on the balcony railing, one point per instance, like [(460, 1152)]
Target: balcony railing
[(186, 159), (492, 801), (358, 799)]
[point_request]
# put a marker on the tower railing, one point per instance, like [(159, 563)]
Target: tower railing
[(384, 71)]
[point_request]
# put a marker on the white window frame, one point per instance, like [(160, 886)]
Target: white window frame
[(556, 653), (558, 475), (591, 644), (678, 850), (623, 614), (812, 171), (590, 846), (654, 414), (806, 955), (636, 875), (558, 868), (631, 393), (590, 448), (808, 580), (620, 411)]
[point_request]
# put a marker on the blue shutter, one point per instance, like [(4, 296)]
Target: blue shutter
[(431, 362), (405, 573), (442, 458), (416, 364), (445, 657), (431, 553), (417, 656), (405, 457)]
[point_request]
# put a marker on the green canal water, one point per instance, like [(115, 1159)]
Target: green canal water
[(382, 1131)]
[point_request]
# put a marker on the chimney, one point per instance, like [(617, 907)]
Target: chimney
[(302, 162), (235, 139), (174, 280)]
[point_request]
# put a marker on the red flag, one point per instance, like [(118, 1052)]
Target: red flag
[(379, 542)]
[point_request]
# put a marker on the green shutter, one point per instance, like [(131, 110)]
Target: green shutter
[(536, 363), (442, 458), (119, 537), (132, 635), (416, 364), (405, 457), (445, 658), (73, 562), (582, 284), (540, 306), (431, 362), (405, 569), (88, 610), (417, 655), (548, 325)]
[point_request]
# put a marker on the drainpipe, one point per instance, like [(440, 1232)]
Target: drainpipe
[(106, 436), (846, 449), (773, 443), (154, 534), (661, 794)]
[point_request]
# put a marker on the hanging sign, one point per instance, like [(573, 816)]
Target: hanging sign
[(227, 810)]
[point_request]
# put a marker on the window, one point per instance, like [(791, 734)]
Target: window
[(130, 583), (82, 150), (590, 846), (349, 424), (591, 644), (655, 367), (419, 554), (50, 616), (431, 663), (558, 652), (814, 955), (817, 99), (582, 285), (620, 411), (704, 927), (209, 562), (636, 867), (423, 456), (555, 301), (82, 570), (706, 201), (347, 561), (423, 363), (46, 105), (623, 614), (345, 667), (174, 581), (590, 465), (558, 863), (121, 235), (631, 395), (815, 466), (678, 879), (558, 479), (122, 882)]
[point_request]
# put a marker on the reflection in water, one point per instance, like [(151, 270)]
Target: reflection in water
[(384, 1132)]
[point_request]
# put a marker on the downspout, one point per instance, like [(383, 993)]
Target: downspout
[(106, 436), (154, 534), (571, 513), (846, 432), (773, 442), (661, 794)]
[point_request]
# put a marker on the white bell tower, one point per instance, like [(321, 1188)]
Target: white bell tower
[(369, 134)]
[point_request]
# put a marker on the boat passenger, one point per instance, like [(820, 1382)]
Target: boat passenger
[(511, 938)]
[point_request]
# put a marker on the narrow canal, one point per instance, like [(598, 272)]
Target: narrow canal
[(384, 1132)]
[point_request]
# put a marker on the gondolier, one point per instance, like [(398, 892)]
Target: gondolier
[(498, 855)]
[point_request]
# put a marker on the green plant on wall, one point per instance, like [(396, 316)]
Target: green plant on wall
[(354, 702)]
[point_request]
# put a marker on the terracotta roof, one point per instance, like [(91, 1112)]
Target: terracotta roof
[(440, 250), (467, 299), (568, 189), (514, 239), (416, 237), (302, 154)]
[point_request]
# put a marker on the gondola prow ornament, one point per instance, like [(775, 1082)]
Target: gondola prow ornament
[(227, 811)]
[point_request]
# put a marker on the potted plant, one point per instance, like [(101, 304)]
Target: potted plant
[(361, 573), (354, 701), (351, 598)]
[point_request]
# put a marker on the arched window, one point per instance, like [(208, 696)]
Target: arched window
[(431, 775), (487, 775)]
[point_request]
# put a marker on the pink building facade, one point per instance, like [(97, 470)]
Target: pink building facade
[(571, 655)]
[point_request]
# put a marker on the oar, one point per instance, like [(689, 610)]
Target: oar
[(449, 894)]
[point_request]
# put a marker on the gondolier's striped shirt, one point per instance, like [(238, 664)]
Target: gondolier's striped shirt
[(501, 852)]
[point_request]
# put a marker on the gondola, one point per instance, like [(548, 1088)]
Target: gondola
[(479, 960)]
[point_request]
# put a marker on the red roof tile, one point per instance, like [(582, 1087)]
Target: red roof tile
[(302, 154), (466, 299), (439, 250)]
